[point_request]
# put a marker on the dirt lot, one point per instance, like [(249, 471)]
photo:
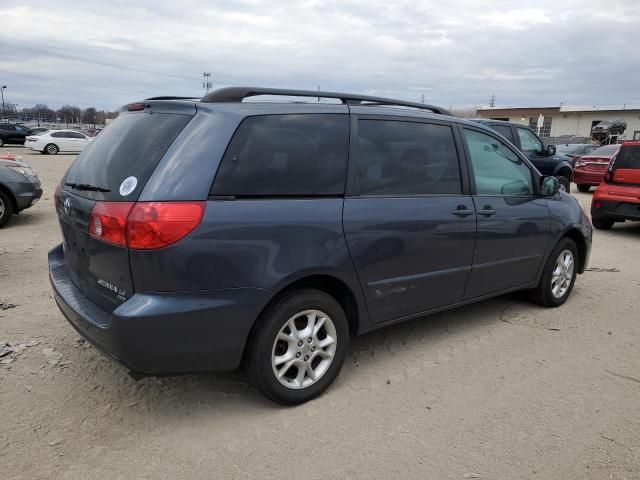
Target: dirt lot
[(497, 390)]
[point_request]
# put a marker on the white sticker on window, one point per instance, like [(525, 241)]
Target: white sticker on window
[(128, 185)]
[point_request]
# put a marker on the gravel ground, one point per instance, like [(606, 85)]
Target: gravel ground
[(497, 390)]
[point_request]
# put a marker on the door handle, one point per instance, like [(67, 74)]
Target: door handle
[(462, 211), (487, 211)]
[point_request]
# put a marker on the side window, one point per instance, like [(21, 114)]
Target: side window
[(286, 155), (75, 135), (504, 130), (58, 135), (497, 170), (529, 143), (21, 129), (405, 158)]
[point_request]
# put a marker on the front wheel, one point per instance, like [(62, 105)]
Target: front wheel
[(564, 183), (558, 276), (583, 187), (298, 346)]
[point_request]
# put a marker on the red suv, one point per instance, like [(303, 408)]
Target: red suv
[(618, 198)]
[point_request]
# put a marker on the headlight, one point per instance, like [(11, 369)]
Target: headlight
[(26, 171)]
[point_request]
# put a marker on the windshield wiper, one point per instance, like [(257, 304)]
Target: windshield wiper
[(86, 187)]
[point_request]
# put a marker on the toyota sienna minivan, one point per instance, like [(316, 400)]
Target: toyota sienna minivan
[(209, 234)]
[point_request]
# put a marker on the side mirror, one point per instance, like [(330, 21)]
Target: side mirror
[(551, 150), (549, 186)]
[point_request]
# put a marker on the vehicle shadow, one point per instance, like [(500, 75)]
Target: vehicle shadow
[(373, 359)]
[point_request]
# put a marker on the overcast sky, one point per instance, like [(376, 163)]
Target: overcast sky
[(456, 52)]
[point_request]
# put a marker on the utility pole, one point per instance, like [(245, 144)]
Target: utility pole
[(423, 98), (206, 83), (492, 101), (4, 115), (318, 93)]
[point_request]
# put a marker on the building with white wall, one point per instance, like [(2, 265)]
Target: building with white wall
[(567, 121)]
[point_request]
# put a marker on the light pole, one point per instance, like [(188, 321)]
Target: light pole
[(2, 92)]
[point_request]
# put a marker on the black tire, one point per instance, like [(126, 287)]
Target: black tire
[(565, 182), (262, 344), (543, 294), (602, 223), (583, 187), (6, 208), (51, 149)]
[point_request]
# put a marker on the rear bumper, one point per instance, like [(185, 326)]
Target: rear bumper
[(615, 210), (587, 178), (163, 333), (26, 193)]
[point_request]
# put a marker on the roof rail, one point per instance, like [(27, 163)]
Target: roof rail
[(170, 97), (237, 94)]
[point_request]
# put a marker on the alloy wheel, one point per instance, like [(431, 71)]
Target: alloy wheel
[(304, 349), (562, 273)]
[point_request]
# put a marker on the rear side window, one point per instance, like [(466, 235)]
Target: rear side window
[(628, 157), (286, 155), (504, 131), (131, 146), (405, 158), (59, 134)]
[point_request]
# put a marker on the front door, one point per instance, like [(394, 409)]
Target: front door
[(409, 227), (513, 222), (534, 149)]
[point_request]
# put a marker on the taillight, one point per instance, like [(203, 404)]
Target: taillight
[(159, 224), (144, 225), (108, 222)]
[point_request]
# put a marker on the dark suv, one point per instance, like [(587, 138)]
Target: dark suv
[(13, 134), (201, 234), (545, 159)]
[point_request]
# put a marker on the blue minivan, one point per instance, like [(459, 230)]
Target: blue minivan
[(226, 231)]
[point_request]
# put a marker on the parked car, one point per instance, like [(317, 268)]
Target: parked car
[(617, 198), (546, 159), (38, 130), (13, 134), (200, 235), (589, 169), (19, 187), (609, 127), (575, 150), (55, 141)]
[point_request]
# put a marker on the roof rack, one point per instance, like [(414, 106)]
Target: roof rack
[(170, 97), (238, 94)]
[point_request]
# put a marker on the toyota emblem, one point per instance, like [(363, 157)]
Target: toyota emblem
[(67, 206)]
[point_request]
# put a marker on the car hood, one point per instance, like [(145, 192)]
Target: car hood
[(13, 163)]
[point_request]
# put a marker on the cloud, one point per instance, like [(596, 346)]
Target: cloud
[(455, 53)]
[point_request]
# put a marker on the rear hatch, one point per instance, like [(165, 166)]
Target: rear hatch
[(626, 167), (113, 168)]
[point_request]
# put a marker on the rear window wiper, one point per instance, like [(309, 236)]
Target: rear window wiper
[(86, 187)]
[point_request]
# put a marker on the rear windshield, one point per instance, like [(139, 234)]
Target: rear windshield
[(129, 148), (606, 151), (629, 157)]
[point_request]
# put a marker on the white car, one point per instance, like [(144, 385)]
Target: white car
[(54, 141)]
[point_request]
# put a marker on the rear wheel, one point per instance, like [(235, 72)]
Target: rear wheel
[(602, 223), (298, 346), (583, 187), (51, 149), (6, 209), (558, 276)]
